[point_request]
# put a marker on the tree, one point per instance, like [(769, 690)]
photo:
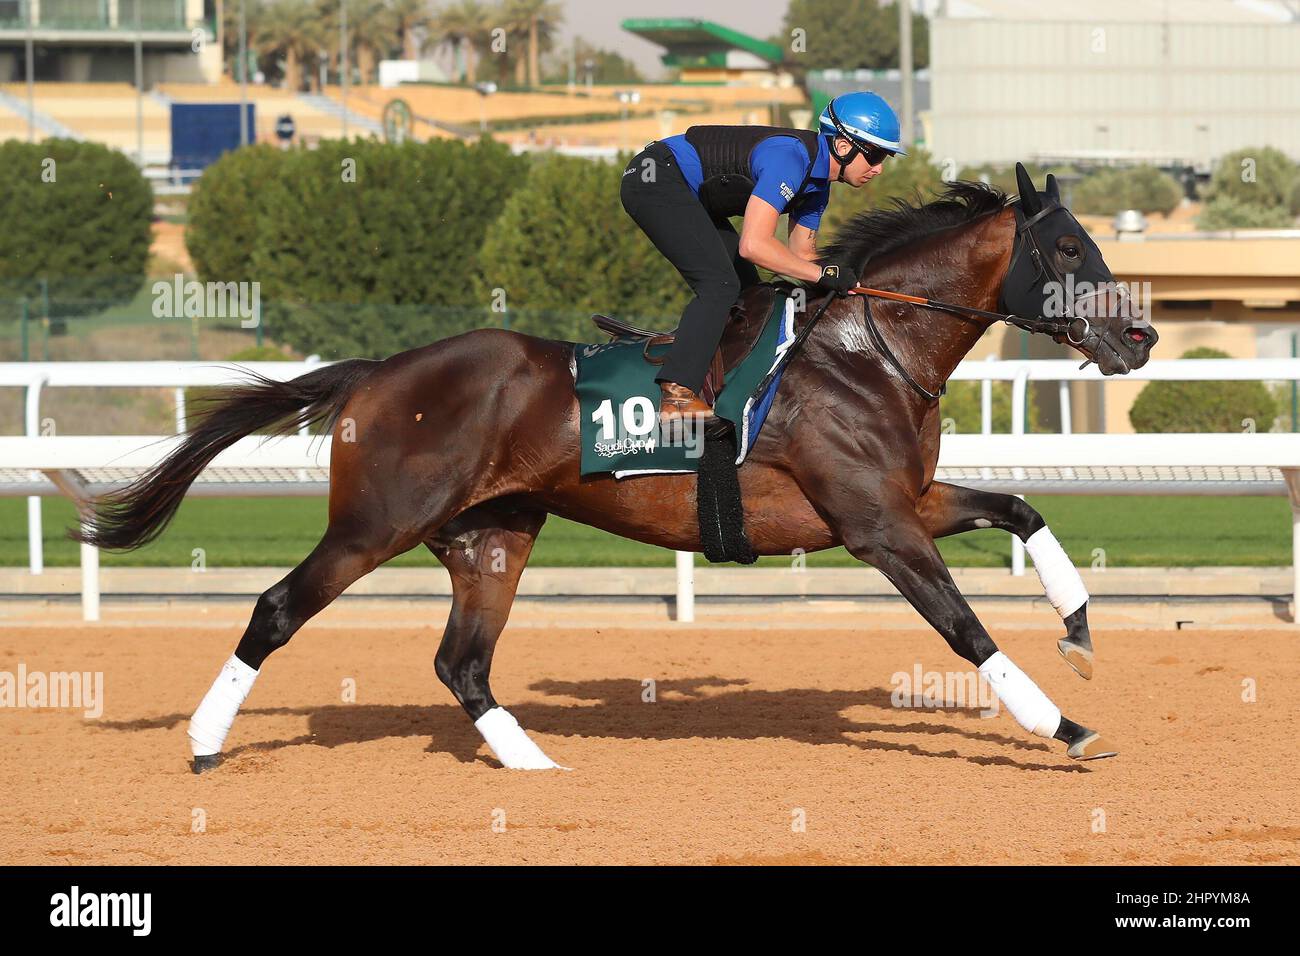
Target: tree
[(963, 404), (850, 35), (288, 28), (372, 32), (1203, 406), (533, 22), (1259, 175), (1004, 177), (914, 178), (77, 225), (383, 257), (222, 232), (516, 19), (1145, 188), (607, 66), (464, 27), (411, 18), (557, 260), (1229, 212)]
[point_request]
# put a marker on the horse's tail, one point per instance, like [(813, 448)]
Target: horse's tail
[(127, 519)]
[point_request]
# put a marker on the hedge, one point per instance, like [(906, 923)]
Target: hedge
[(77, 215), (361, 247), (564, 247), (1203, 406)]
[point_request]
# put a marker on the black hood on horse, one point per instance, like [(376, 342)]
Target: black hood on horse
[(1056, 283)]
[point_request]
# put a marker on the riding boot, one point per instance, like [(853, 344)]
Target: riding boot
[(679, 408)]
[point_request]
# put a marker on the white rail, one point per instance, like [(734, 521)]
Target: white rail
[(58, 463)]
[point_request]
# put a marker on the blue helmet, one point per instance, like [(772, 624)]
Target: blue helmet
[(863, 118)]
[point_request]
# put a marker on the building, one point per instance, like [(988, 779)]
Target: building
[(1171, 83), (84, 41), (705, 52)]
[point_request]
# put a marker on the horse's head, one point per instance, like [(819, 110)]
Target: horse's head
[(1058, 277)]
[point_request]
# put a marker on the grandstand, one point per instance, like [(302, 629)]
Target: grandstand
[(595, 116), (102, 112), (706, 52), (106, 112), (81, 41)]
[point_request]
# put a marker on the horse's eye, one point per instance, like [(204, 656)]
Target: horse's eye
[(1070, 251)]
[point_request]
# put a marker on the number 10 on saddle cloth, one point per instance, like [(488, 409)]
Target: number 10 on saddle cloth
[(619, 401)]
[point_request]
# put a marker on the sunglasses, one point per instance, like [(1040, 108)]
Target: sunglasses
[(875, 154)]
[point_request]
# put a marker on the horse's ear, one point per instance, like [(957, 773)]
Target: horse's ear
[(1029, 199), (1053, 189)]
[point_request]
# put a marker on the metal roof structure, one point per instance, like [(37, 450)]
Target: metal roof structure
[(702, 43)]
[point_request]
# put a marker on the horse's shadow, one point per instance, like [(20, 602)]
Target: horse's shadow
[(628, 709)]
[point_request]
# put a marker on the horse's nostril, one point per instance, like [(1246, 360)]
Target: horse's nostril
[(1137, 336)]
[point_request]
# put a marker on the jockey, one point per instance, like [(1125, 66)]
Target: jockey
[(682, 190)]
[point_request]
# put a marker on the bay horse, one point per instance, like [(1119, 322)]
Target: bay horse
[(466, 445)]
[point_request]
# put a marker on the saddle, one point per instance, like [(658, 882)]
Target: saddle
[(743, 327)]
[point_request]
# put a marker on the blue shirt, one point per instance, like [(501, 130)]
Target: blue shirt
[(777, 166)]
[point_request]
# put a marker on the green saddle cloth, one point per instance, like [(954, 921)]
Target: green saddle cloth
[(619, 403)]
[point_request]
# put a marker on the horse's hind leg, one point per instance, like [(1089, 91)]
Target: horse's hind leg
[(485, 549), (346, 553), (951, 509)]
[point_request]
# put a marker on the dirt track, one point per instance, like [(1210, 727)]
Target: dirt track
[(749, 727)]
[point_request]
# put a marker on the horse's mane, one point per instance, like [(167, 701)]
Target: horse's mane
[(878, 232)]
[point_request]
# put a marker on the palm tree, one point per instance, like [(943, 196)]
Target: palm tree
[(465, 27), (228, 35), (372, 34), (410, 17), (538, 20), (290, 28), (516, 18), (479, 19)]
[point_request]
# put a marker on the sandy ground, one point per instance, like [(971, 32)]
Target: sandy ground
[(762, 746)]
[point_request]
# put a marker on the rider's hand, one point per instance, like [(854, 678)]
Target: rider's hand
[(838, 277)]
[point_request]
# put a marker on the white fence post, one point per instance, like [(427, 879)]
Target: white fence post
[(89, 582), (1019, 404), (32, 428), (1292, 477), (685, 587)]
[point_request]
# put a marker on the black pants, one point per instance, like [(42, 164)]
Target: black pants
[(704, 250)]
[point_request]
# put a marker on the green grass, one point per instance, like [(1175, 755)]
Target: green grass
[(1133, 531)]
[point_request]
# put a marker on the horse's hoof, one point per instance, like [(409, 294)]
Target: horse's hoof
[(1077, 656), (1091, 747), (205, 762)]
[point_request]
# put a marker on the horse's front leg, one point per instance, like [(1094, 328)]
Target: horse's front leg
[(899, 544), (951, 509)]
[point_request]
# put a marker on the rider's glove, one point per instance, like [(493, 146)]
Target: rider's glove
[(838, 277)]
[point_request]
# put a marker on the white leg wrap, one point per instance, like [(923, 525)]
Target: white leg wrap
[(1060, 578), (216, 713), (514, 748), (1028, 704)]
